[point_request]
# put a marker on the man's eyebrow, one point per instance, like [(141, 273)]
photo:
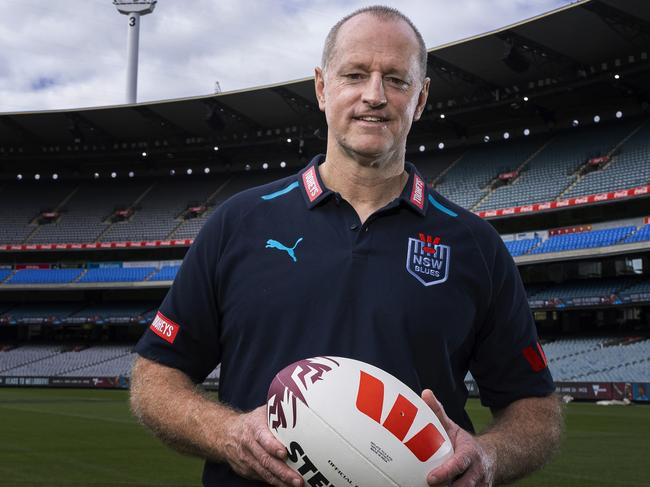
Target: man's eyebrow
[(359, 65)]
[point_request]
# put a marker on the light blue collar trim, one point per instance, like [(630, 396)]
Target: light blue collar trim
[(284, 191), (444, 209)]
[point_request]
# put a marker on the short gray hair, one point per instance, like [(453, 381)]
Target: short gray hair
[(380, 12)]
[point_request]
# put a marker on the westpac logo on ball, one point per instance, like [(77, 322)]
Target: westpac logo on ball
[(428, 262)]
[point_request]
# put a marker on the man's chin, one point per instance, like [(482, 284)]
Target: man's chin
[(366, 155)]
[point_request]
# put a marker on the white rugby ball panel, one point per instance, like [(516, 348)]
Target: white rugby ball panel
[(371, 413)]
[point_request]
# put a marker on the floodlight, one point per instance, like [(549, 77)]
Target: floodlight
[(189, 171), (283, 164), (506, 135), (575, 123), (596, 118), (206, 170), (486, 138), (441, 145), (113, 175), (526, 132), (619, 114), (131, 174), (19, 177), (55, 176), (421, 148), (37, 176), (133, 9)]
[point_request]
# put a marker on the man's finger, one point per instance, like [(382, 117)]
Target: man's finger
[(454, 467), (436, 407), (267, 462), (265, 438)]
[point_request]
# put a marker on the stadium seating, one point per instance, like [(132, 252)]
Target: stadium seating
[(640, 235), (84, 215), (115, 313), (4, 273), (585, 288), (521, 247), (39, 312), (26, 201), (44, 276), (166, 273), (117, 274), (573, 359), (239, 182), (597, 360), (466, 182), (549, 169), (584, 240), (554, 168), (25, 355), (158, 213), (66, 362), (629, 168)]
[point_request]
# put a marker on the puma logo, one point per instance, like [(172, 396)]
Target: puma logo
[(274, 244)]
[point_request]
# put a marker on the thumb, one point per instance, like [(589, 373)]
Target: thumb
[(430, 399)]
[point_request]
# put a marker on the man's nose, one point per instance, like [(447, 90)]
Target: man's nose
[(373, 93)]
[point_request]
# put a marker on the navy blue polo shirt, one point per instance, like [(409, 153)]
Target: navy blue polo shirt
[(423, 289)]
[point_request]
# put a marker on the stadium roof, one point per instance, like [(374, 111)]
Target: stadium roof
[(562, 61)]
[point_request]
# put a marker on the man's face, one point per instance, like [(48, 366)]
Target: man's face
[(372, 88)]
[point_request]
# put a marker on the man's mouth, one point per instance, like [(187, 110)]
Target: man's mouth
[(368, 118)]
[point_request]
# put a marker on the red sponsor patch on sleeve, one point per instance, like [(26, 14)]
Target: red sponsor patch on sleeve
[(535, 357), (164, 327)]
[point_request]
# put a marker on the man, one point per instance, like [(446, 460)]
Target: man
[(314, 265)]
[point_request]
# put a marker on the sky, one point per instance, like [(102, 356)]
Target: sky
[(72, 53)]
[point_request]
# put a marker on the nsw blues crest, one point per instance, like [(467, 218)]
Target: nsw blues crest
[(428, 263)]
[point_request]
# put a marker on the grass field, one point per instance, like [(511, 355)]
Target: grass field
[(87, 438)]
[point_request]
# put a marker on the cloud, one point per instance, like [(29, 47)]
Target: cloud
[(69, 54)]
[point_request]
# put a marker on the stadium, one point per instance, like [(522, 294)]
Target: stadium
[(543, 133)]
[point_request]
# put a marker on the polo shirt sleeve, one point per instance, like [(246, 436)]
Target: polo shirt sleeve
[(185, 332), (508, 362)]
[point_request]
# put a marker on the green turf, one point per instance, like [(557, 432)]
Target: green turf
[(87, 438)]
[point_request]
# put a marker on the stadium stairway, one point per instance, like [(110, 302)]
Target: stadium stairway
[(209, 201), (519, 169), (58, 208), (610, 155), (134, 204)]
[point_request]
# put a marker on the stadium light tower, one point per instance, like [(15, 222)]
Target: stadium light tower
[(134, 9)]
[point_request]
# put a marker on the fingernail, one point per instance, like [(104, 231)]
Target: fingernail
[(297, 482), (433, 480), (280, 453)]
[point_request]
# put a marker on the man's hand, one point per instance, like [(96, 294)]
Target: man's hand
[(253, 452), (180, 414), (471, 464)]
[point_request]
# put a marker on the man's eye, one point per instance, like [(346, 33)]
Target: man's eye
[(397, 82), (354, 76)]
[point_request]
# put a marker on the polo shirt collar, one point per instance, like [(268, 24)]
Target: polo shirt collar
[(314, 190), (311, 185)]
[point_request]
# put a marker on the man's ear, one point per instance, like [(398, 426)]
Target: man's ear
[(319, 82), (422, 99)]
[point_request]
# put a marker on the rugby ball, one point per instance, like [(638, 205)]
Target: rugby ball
[(345, 422)]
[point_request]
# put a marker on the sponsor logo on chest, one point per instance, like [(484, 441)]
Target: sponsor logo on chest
[(427, 260)]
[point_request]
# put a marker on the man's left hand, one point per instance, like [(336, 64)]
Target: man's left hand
[(472, 464)]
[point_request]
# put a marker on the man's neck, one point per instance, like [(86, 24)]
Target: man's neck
[(366, 187)]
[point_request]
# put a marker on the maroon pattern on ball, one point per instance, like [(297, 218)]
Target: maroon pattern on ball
[(310, 372)]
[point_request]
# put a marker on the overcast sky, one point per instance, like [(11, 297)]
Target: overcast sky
[(72, 53)]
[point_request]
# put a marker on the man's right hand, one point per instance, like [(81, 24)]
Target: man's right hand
[(253, 452)]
